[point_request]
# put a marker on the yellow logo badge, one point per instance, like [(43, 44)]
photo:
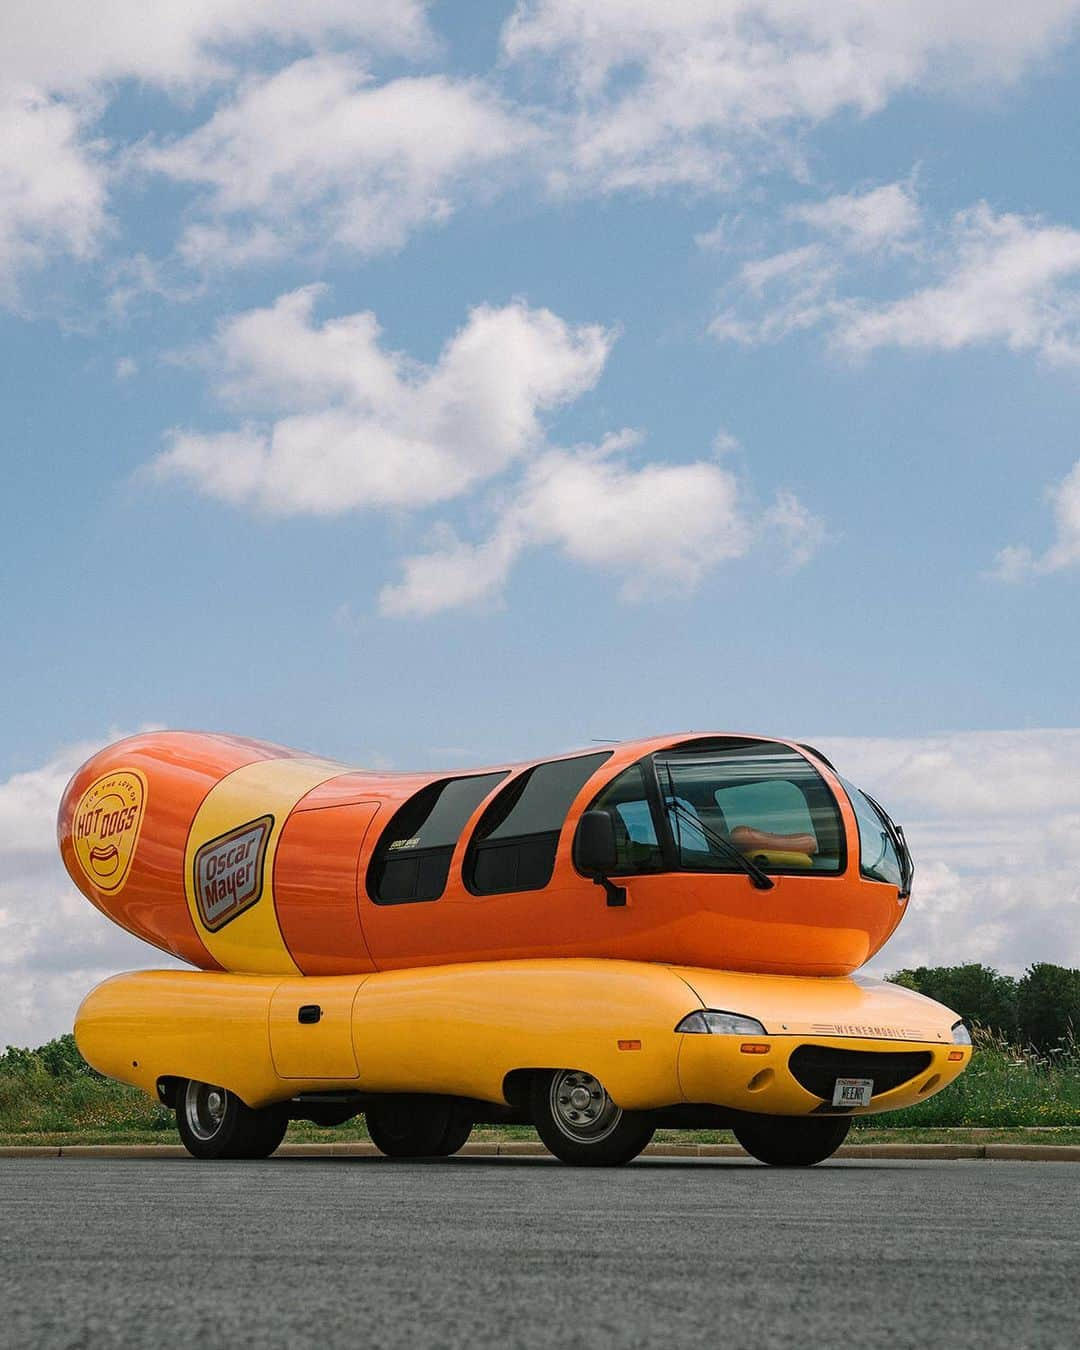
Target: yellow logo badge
[(106, 827)]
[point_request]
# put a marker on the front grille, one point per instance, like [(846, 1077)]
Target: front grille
[(817, 1067)]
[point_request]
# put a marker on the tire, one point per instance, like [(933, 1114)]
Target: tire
[(270, 1126), (214, 1123), (413, 1126), (791, 1141), (581, 1125)]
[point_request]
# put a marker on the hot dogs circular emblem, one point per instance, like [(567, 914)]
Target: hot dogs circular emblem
[(106, 828)]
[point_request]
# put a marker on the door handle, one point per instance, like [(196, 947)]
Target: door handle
[(309, 1014)]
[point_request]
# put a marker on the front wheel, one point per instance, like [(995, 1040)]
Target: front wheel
[(581, 1125), (413, 1126), (214, 1123), (791, 1141)]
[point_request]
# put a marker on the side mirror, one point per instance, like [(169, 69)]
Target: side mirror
[(596, 854)]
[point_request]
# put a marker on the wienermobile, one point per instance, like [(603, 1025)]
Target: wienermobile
[(654, 933)]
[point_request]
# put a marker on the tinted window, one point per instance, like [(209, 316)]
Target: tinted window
[(636, 844), (766, 801), (877, 856), (412, 859), (515, 843), (778, 806)]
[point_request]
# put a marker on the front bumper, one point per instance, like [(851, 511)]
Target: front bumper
[(793, 1075)]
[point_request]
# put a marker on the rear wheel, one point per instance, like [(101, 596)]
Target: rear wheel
[(214, 1123), (581, 1125), (412, 1126), (270, 1126), (791, 1141)]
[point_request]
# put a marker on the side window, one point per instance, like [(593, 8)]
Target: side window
[(877, 856), (515, 843), (412, 858), (777, 806), (766, 801), (625, 801)]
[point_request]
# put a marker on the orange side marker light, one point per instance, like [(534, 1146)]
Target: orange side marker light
[(956, 1054), (754, 1048), (629, 1045)]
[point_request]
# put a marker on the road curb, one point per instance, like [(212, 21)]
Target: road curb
[(1034, 1152), (525, 1148)]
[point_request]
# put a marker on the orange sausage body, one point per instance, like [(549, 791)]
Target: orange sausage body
[(235, 854)]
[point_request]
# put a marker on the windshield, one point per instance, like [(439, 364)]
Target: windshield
[(878, 858), (767, 801)]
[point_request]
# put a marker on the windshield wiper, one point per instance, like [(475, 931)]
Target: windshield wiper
[(761, 879)]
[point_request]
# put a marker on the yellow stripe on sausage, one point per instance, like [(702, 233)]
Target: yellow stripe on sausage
[(229, 861)]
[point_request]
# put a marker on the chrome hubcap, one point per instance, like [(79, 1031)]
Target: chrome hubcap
[(580, 1106), (204, 1109)]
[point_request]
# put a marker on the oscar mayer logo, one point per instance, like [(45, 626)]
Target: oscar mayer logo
[(229, 872), (106, 826)]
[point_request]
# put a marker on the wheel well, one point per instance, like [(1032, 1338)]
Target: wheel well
[(168, 1085), (517, 1084)]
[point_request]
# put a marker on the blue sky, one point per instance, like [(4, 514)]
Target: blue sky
[(465, 381)]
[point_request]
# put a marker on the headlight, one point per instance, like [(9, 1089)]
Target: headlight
[(708, 1022), (960, 1034)]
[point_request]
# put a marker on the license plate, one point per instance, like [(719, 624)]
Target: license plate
[(853, 1092)]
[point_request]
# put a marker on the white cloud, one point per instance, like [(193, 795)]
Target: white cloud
[(454, 575), (884, 217), (205, 247), (1007, 279), (779, 295), (348, 424), (60, 63), (993, 819), (1016, 562), (692, 92), (361, 426), (724, 443), (374, 161), (658, 527), (993, 278), (801, 532), (800, 287), (62, 46), (796, 263), (137, 276), (52, 184), (54, 945), (301, 146)]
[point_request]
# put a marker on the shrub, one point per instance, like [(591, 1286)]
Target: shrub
[(53, 1089), (978, 994), (1048, 1005), (59, 1057)]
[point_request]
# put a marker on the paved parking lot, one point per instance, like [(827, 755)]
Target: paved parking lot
[(524, 1252)]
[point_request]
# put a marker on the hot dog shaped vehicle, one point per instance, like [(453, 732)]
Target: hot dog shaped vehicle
[(661, 932)]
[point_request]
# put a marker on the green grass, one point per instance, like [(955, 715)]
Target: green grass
[(35, 1101), (1005, 1091), (1006, 1085)]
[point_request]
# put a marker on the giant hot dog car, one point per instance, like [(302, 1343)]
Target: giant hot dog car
[(657, 933)]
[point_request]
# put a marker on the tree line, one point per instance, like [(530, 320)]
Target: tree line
[(58, 1058), (1040, 1009)]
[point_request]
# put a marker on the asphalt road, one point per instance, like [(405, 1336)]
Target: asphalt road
[(525, 1252)]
